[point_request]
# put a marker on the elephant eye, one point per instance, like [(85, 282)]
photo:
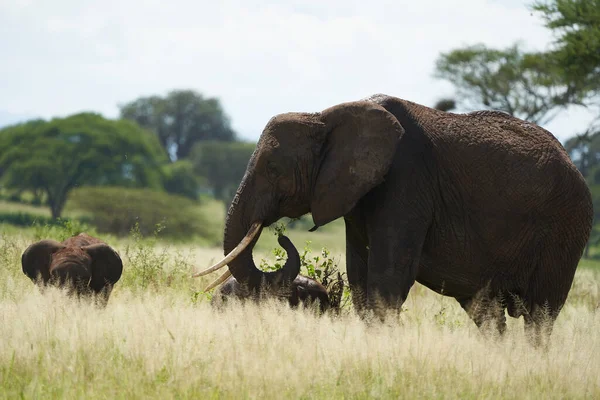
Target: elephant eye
[(272, 170)]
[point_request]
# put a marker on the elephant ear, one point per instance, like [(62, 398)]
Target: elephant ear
[(302, 292), (357, 153), (35, 260), (107, 266)]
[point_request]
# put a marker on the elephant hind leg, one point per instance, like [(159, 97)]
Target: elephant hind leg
[(548, 289), (539, 323), (487, 313)]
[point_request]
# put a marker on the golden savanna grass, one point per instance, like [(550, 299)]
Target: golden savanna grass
[(166, 341)]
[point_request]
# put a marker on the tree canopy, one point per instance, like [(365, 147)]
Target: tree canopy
[(576, 25), (522, 84), (534, 86), (83, 149), (181, 179), (223, 164), (181, 119)]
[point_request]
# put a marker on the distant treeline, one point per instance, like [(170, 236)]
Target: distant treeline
[(182, 144)]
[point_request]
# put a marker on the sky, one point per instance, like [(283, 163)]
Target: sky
[(260, 58)]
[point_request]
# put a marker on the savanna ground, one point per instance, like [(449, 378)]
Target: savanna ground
[(160, 338)]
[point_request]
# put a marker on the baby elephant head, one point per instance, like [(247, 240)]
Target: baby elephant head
[(303, 290), (83, 264)]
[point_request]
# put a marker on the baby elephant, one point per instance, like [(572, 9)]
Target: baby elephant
[(84, 264), (303, 290)]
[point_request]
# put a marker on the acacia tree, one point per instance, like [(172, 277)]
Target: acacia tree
[(180, 120), (522, 84), (576, 25), (83, 149)]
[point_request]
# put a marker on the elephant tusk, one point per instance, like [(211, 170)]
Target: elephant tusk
[(252, 232), (219, 280)]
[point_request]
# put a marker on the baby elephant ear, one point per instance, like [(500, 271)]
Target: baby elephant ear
[(35, 260), (302, 292), (107, 266)]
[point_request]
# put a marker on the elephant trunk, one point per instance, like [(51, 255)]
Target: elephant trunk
[(236, 229), (243, 227)]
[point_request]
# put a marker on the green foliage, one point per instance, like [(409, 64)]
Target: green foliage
[(522, 84), (321, 267), (152, 264), (45, 227), (61, 229), (223, 164), (180, 120), (147, 264), (117, 210), (27, 219), (83, 149), (181, 179), (576, 24)]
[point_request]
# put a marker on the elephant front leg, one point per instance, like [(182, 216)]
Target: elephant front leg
[(392, 273), (394, 254), (357, 256)]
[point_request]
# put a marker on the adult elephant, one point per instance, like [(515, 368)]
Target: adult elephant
[(84, 264), (480, 206)]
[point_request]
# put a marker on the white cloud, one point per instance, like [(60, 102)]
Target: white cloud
[(260, 57)]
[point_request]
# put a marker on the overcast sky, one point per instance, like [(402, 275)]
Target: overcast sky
[(261, 58)]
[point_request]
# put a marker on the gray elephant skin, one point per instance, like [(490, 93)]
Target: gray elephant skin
[(83, 264), (482, 207)]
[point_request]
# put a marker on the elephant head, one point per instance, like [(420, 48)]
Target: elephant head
[(321, 163), (303, 290), (82, 263)]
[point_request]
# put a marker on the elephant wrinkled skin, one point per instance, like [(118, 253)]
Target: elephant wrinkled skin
[(483, 207), (84, 264)]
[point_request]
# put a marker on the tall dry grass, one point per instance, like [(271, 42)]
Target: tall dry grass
[(164, 341)]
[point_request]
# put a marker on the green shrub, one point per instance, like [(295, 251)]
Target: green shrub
[(25, 219), (321, 267), (152, 266), (180, 179), (61, 229), (117, 210)]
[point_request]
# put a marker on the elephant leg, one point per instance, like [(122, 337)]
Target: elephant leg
[(548, 288), (394, 255), (487, 313), (101, 296), (539, 324), (357, 257)]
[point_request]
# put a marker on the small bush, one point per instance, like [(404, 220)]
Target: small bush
[(117, 210), (150, 266), (61, 229), (180, 179), (321, 267), (25, 219)]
